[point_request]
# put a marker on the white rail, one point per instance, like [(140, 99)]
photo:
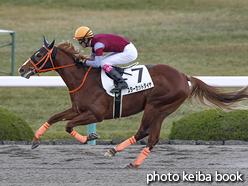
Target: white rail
[(56, 81), (35, 81)]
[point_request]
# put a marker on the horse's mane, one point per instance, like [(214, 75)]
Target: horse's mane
[(70, 48)]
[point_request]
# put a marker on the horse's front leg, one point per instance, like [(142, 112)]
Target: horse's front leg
[(83, 119), (66, 115)]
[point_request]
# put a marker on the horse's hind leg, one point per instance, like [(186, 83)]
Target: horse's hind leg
[(152, 141), (120, 147), (142, 132), (154, 131)]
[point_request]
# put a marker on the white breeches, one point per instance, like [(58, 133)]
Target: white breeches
[(129, 54)]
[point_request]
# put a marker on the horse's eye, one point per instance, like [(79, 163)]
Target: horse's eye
[(38, 55)]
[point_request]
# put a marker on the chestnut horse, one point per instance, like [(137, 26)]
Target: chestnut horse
[(90, 103)]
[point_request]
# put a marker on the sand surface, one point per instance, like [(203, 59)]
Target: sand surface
[(58, 165)]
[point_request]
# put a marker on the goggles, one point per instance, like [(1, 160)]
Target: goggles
[(80, 41)]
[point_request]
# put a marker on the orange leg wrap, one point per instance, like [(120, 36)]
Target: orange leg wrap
[(79, 137), (41, 130), (141, 157), (125, 144)]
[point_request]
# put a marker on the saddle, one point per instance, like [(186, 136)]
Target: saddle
[(137, 78)]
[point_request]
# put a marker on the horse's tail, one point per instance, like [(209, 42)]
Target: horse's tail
[(206, 93)]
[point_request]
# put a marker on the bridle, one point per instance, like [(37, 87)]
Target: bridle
[(47, 63)]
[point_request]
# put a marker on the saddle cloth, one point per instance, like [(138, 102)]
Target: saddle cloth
[(136, 76)]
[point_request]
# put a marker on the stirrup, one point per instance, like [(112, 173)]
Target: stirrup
[(115, 90), (118, 89), (119, 86)]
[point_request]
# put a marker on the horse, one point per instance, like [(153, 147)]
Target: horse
[(91, 104)]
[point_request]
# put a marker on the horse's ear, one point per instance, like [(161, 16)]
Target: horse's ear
[(45, 41), (50, 46)]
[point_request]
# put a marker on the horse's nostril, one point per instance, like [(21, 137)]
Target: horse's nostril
[(21, 70)]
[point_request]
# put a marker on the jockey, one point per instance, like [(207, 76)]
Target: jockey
[(122, 51)]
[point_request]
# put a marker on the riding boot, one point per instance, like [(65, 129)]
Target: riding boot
[(121, 84)]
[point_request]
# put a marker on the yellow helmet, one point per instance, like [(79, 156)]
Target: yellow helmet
[(83, 32)]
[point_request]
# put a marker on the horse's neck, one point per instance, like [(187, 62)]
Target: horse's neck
[(72, 76)]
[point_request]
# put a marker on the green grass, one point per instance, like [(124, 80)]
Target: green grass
[(200, 38), (213, 124), (13, 127)]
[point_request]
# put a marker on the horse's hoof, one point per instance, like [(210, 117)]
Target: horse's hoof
[(34, 145), (111, 153), (108, 154), (130, 165), (94, 136)]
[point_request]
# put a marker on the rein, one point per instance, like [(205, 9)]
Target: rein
[(72, 91), (48, 57)]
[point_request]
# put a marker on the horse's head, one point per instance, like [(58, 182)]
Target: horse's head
[(40, 61)]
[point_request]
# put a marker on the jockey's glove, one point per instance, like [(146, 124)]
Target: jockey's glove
[(79, 61)]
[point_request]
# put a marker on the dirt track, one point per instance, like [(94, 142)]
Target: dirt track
[(58, 165)]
